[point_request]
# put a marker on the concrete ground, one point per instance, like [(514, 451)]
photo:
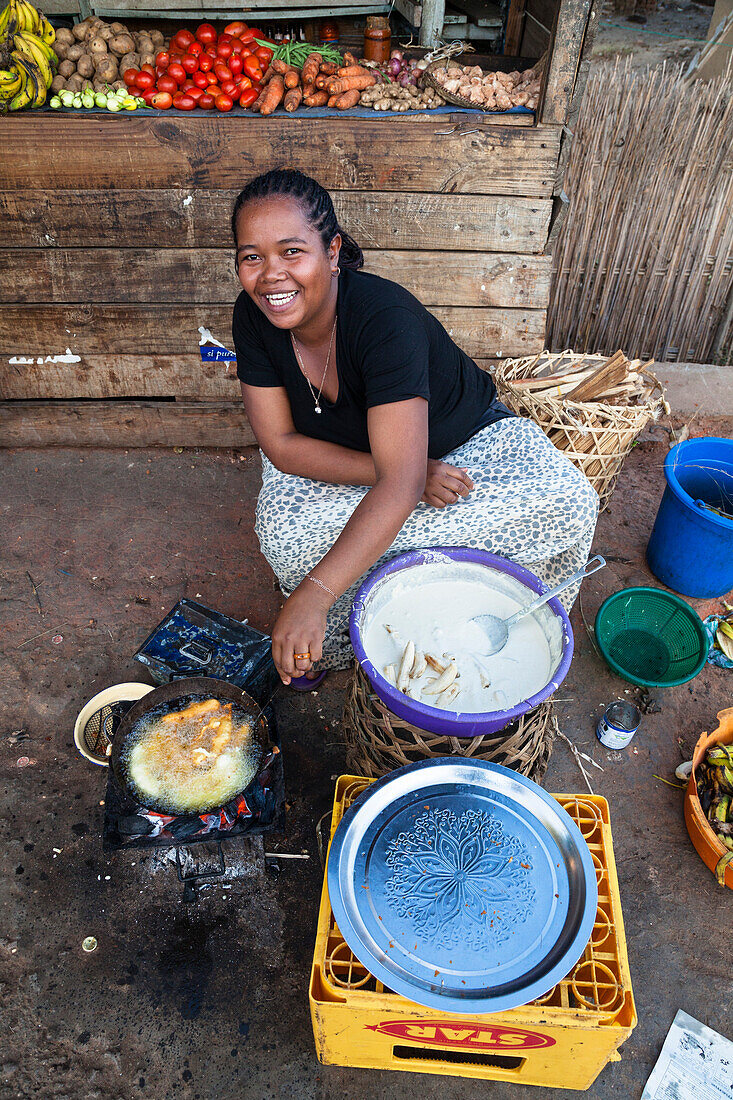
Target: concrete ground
[(211, 1001)]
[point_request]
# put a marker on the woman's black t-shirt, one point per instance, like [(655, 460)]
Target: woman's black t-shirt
[(388, 348)]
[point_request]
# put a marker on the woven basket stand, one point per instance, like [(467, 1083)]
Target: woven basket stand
[(378, 741)]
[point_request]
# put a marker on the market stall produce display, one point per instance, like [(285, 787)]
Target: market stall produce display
[(27, 61), (489, 91), (94, 55)]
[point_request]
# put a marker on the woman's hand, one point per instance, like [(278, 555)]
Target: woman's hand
[(300, 628), (444, 484)]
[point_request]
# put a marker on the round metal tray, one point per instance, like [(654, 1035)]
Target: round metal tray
[(462, 886)]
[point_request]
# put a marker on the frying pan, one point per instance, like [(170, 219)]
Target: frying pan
[(176, 693)]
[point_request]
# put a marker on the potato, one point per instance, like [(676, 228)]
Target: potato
[(96, 45), (74, 52), (58, 84), (87, 86), (61, 49), (158, 38), (79, 30), (147, 59), (121, 44), (130, 61), (74, 83), (85, 66), (107, 69), (119, 86), (105, 33), (144, 40), (64, 34), (118, 28), (67, 68)]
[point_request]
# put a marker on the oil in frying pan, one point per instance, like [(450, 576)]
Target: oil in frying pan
[(200, 754)]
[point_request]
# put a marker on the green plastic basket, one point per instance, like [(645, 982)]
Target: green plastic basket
[(651, 637)]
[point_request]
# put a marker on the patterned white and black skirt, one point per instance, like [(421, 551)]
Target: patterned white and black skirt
[(529, 504)]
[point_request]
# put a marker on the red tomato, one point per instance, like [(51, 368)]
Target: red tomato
[(243, 84), (229, 87), (206, 63), (195, 94), (186, 86), (249, 39), (248, 96), (224, 102), (264, 55), (252, 68), (211, 51), (196, 49), (207, 102), (224, 50), (223, 72), (162, 59), (184, 102), (237, 47), (257, 33), (213, 90), (235, 65), (144, 81), (235, 29), (162, 101), (224, 38), (183, 39), (200, 80), (247, 52), (177, 71), (206, 33), (148, 96), (130, 76), (167, 85), (212, 78), (147, 68), (190, 64)]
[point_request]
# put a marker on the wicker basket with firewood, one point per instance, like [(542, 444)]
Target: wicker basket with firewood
[(591, 407)]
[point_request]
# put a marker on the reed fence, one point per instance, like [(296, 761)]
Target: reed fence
[(645, 258)]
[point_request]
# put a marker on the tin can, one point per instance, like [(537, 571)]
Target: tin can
[(618, 725)]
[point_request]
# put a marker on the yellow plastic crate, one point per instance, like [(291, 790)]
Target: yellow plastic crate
[(562, 1040)]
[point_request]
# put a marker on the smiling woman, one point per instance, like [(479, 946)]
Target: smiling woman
[(378, 433)]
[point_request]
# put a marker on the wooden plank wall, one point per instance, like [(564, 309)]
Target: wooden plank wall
[(116, 249)]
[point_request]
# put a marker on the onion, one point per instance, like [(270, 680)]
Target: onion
[(404, 79), (394, 66), (397, 55)]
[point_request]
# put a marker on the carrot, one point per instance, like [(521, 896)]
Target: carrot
[(274, 92), (311, 68), (348, 99), (332, 101), (282, 67), (349, 59), (269, 73), (292, 79), (293, 99), (351, 83), (352, 70), (316, 99), (328, 68)]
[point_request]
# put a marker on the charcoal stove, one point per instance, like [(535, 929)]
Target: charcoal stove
[(195, 641)]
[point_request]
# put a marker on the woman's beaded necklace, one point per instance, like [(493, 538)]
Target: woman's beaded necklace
[(316, 397)]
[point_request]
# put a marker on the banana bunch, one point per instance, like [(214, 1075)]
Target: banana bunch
[(715, 791), (27, 61)]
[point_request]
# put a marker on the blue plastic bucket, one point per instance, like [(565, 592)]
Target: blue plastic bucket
[(691, 545)]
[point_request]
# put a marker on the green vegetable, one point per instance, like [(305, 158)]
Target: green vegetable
[(295, 53), (100, 99), (54, 103)]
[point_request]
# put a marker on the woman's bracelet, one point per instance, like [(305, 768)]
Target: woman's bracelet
[(320, 584)]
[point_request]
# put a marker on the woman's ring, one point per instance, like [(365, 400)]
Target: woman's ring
[(302, 656)]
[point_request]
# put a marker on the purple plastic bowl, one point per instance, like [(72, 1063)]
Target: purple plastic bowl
[(449, 723)]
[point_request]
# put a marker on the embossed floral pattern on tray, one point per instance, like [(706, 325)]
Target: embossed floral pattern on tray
[(460, 879)]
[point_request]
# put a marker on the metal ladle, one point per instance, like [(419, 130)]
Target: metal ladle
[(497, 630)]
